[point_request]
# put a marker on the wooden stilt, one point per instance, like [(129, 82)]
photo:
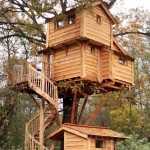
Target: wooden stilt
[(82, 110), (41, 123), (74, 106), (52, 144), (58, 120), (96, 112)]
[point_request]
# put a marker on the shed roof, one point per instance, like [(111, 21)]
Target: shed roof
[(85, 131)]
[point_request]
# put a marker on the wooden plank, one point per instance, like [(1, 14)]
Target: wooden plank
[(69, 69), (59, 66), (47, 34), (83, 24), (82, 110), (96, 111), (99, 66), (67, 72), (74, 106), (83, 72), (62, 77), (41, 132)]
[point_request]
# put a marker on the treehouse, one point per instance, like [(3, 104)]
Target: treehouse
[(81, 46), (80, 137)]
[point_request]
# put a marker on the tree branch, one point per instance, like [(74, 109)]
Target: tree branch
[(109, 5), (142, 33)]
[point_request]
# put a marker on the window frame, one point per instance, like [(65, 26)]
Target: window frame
[(97, 146), (59, 27), (69, 16), (99, 19)]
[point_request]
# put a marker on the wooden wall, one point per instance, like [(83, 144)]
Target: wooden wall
[(91, 63), (61, 35), (95, 31), (109, 144), (67, 62), (74, 142), (123, 72), (105, 65)]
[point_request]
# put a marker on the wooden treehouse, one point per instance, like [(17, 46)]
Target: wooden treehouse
[(79, 47)]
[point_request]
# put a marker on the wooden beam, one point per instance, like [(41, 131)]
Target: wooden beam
[(59, 123), (41, 136), (96, 112), (74, 106), (52, 143), (82, 110)]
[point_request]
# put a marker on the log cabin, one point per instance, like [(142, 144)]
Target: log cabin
[(81, 46), (81, 137)]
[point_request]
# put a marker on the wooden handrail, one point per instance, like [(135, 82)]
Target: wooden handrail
[(44, 87), (43, 84)]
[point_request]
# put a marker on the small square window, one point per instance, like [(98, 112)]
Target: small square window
[(92, 49), (59, 24), (122, 61), (99, 144), (71, 19), (98, 19)]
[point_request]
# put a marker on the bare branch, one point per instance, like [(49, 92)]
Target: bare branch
[(142, 33), (109, 5)]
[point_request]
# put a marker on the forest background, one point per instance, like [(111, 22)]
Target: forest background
[(23, 33)]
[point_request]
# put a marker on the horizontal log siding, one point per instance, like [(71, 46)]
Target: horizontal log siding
[(67, 64), (105, 64), (95, 31), (74, 142), (67, 33), (123, 72), (91, 64)]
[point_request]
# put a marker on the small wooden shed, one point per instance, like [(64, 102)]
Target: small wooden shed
[(81, 137), (82, 46)]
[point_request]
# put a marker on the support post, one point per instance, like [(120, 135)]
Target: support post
[(82, 110), (96, 112), (74, 106), (41, 123), (52, 144)]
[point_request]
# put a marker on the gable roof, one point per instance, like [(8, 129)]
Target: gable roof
[(85, 131), (104, 7), (119, 47), (96, 3)]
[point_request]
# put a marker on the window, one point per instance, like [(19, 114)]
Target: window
[(99, 144), (98, 19), (71, 19), (122, 61), (59, 24), (92, 49)]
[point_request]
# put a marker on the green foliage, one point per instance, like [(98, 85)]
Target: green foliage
[(134, 143)]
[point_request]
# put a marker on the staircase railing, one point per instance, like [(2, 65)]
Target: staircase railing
[(43, 85), (45, 88)]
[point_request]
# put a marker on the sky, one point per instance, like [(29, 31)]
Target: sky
[(137, 3), (125, 5)]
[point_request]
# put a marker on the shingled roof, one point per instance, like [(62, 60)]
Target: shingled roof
[(85, 131)]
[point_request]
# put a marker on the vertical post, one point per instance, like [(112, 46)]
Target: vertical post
[(52, 144), (82, 110), (74, 106), (41, 123)]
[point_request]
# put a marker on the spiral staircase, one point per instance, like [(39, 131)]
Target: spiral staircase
[(29, 79)]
